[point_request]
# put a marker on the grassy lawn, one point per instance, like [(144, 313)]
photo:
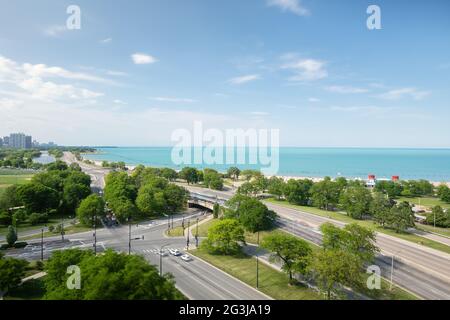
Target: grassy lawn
[(271, 282), (30, 290), (70, 229), (426, 201), (175, 232), (7, 180), (249, 237), (442, 231), (368, 224), (27, 226)]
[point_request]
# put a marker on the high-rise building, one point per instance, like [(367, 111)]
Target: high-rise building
[(19, 141), (1, 142), (6, 142), (28, 142)]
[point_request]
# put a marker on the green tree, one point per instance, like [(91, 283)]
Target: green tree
[(298, 191), (252, 214), (356, 201), (391, 188), (38, 198), (443, 192), (111, 276), (334, 268), (439, 217), (294, 253), (276, 186), (120, 185), (353, 239), (250, 174), (212, 179), (401, 217), (124, 209), (11, 236), (216, 210), (169, 174), (325, 194), (247, 189), (224, 237), (9, 198), (73, 194), (12, 272), (92, 206), (380, 208), (160, 197), (233, 172), (191, 175)]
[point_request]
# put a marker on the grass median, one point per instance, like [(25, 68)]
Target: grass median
[(271, 282)]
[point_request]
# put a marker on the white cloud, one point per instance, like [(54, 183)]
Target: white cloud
[(105, 41), (313, 100), (43, 71), (362, 110), (31, 80), (142, 58), (244, 79), (346, 89), (116, 73), (118, 101), (293, 6), (172, 99), (404, 92), (306, 69), (259, 113), (55, 30)]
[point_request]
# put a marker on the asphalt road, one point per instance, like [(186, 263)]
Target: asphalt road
[(196, 279), (418, 269)]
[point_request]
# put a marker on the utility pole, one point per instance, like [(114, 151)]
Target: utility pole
[(168, 224), (42, 244), (160, 258), (257, 264), (129, 235), (196, 235), (62, 226), (187, 240), (392, 272), (95, 234)]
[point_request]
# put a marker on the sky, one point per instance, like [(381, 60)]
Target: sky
[(136, 71)]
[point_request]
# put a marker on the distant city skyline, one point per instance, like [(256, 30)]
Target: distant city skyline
[(135, 72)]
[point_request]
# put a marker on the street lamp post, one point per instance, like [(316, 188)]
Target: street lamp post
[(42, 244), (95, 234), (160, 258), (392, 272), (168, 224), (129, 235), (257, 264), (187, 240), (196, 235)]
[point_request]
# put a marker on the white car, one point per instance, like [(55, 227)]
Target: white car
[(162, 252), (175, 252), (186, 257)]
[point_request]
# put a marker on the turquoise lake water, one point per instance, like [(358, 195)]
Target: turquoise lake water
[(430, 164)]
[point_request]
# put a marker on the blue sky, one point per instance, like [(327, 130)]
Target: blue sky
[(138, 70)]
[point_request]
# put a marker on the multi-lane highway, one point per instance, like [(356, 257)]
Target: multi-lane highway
[(419, 269), (196, 279)]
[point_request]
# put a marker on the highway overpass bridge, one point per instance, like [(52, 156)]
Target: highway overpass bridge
[(203, 201)]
